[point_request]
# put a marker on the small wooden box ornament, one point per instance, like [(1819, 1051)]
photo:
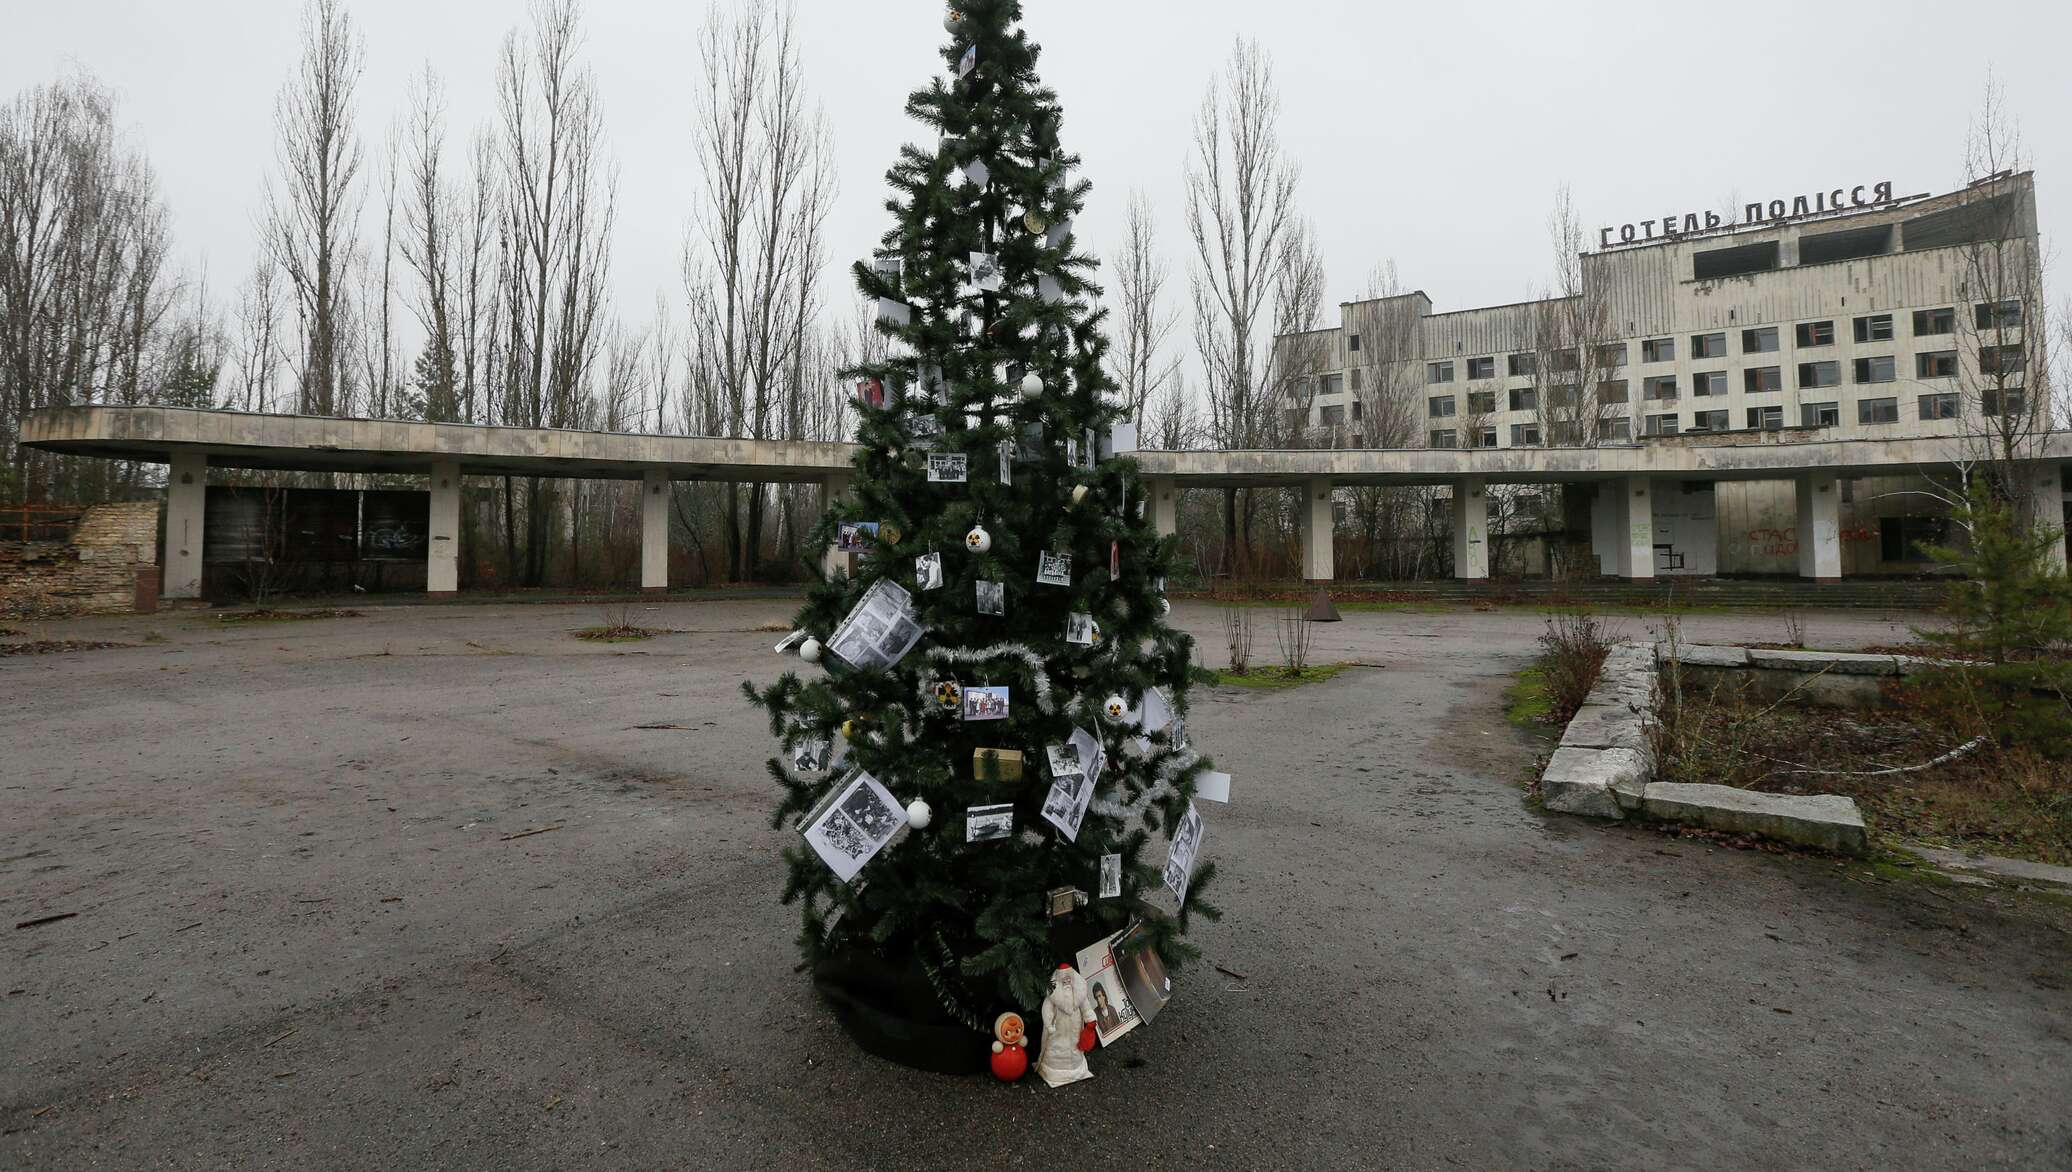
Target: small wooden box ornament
[(996, 764)]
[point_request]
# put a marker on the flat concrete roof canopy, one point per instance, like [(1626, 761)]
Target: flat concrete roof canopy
[(303, 443)]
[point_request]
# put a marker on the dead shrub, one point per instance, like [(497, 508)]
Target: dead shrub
[(1573, 649)]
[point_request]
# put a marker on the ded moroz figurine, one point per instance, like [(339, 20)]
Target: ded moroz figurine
[(1066, 1013)]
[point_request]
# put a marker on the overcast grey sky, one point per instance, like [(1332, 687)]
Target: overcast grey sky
[(1432, 133)]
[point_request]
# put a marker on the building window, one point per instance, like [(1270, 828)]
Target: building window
[(1769, 418), (1709, 346), (1445, 439), (1523, 365), (1481, 368), (1613, 392), (1709, 421), (1352, 343), (1295, 420), (1439, 372), (1708, 385), (1906, 540), (1940, 364), (1356, 378), (1567, 361), (1359, 440), (1883, 369), (1525, 435), (2001, 359), (1612, 357), (1661, 425), (1762, 380), (1877, 411), (1762, 341), (1331, 417), (1942, 406), (1877, 328), (1996, 403), (2000, 315), (1820, 414), (1817, 333), (1356, 408), (1487, 438), (1661, 389), (1619, 430), (1525, 399), (1334, 384), (1934, 321), (1481, 402), (1443, 407), (1658, 350), (1820, 374)]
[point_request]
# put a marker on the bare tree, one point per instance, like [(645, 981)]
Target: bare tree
[(1141, 366), (258, 347), (1240, 214), (753, 269), (313, 218), (428, 248), (1576, 352), (84, 296)]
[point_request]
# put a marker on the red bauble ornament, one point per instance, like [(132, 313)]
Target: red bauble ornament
[(1087, 1038), (1010, 1062)]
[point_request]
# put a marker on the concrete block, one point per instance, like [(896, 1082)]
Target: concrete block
[(1833, 663), (1606, 726), (1825, 821), (1579, 781), (1715, 657)]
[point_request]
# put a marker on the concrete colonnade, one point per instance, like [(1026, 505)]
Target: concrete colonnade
[(186, 509)]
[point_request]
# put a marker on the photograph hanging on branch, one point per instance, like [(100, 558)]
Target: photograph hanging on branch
[(986, 276), (992, 598), (1179, 868), (855, 826), (1079, 630), (871, 393), (810, 755), (948, 467), (928, 572), (1054, 569), (1114, 1016), (881, 630), (856, 536), (967, 63), (895, 313), (1111, 876), (1005, 451), (925, 431), (1065, 806), (989, 823), (986, 704)]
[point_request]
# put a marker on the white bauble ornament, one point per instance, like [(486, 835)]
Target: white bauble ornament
[(1165, 606), (919, 815), (1116, 707), (953, 23), (978, 540), (1032, 386), (810, 651)]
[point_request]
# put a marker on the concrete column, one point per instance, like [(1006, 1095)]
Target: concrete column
[(1319, 528), (832, 490), (1470, 530), (654, 531), (186, 502), (442, 563), (2049, 500), (1165, 504), (1820, 527), (1636, 528)]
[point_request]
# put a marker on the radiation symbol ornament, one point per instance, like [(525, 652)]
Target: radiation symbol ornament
[(1116, 707), (978, 540), (949, 696)]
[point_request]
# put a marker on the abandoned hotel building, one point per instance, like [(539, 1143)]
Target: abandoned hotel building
[(1844, 319)]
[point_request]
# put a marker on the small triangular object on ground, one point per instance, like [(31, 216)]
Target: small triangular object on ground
[(1321, 610)]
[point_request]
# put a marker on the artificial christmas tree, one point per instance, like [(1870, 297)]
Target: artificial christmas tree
[(996, 723)]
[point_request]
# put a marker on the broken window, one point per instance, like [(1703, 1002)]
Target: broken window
[(1761, 380), (1908, 539), (1817, 333), (1444, 439), (1356, 408), (1882, 369), (2009, 360), (1487, 438), (1331, 417), (1709, 421), (1612, 357), (1938, 364), (1481, 368), (1820, 414), (1829, 247), (1658, 350), (1662, 389), (1334, 384), (1352, 343), (2000, 315), (1613, 392), (1730, 262), (1481, 402), (1996, 403), (1439, 372), (1941, 406), (1709, 346), (1877, 411), (1443, 407), (1356, 378), (1525, 435), (1661, 425), (1762, 341), (1709, 384), (1877, 328), (1619, 430), (1820, 374), (1523, 365), (1934, 321), (1769, 418), (1525, 399)]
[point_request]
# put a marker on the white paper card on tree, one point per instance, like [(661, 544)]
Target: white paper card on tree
[(1213, 787), (895, 313), (928, 571), (1120, 441), (1058, 234), (1048, 288), (887, 268), (1066, 805), (948, 468), (989, 823), (986, 275), (790, 641), (852, 829), (977, 171), (1179, 867), (1111, 876), (881, 630), (1054, 569)]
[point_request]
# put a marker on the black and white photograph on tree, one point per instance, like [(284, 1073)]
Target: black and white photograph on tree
[(1054, 569), (928, 572), (985, 272), (1179, 868), (1079, 629), (854, 826), (992, 598), (947, 467), (993, 823)]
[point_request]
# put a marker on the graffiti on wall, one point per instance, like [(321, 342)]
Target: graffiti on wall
[(1784, 543)]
